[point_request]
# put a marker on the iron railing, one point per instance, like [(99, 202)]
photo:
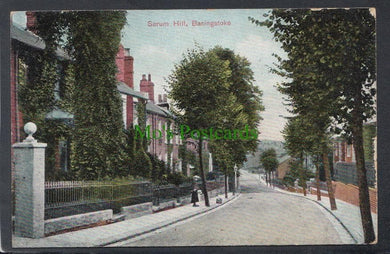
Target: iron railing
[(64, 198), (71, 197)]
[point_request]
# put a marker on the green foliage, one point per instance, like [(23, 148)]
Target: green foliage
[(332, 52), (211, 175), (159, 169), (294, 174), (268, 160), (176, 178), (141, 114), (98, 116), (242, 107), (198, 88), (142, 165)]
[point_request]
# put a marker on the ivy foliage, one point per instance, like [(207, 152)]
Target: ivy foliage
[(91, 39)]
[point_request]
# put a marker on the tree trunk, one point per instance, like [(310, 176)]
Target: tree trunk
[(302, 174), (325, 160), (364, 198), (318, 181), (202, 175), (226, 185), (269, 178), (273, 179)]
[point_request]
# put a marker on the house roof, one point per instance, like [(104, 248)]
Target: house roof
[(284, 158), (125, 89), (27, 37), (33, 40), (152, 108)]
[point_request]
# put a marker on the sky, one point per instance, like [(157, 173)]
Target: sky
[(156, 49)]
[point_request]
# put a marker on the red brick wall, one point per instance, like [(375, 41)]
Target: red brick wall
[(16, 115), (346, 192), (128, 71), (350, 194)]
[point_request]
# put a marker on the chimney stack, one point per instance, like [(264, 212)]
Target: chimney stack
[(31, 23), (127, 52), (147, 86)]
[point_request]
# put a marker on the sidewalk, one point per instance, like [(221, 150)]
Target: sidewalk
[(346, 218), (115, 232)]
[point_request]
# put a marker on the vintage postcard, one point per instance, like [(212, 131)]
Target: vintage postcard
[(193, 127)]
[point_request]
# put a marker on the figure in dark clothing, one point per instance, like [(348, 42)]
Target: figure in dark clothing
[(194, 197)]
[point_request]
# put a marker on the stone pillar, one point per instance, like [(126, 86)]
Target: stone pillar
[(29, 157)]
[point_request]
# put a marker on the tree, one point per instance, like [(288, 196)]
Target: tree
[(242, 111), (198, 87), (307, 135), (270, 162), (335, 50)]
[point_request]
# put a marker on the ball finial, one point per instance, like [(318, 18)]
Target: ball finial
[(30, 128)]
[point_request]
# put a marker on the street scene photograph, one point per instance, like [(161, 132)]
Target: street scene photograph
[(193, 127)]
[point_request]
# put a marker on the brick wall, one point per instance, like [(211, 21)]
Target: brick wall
[(346, 192), (350, 194)]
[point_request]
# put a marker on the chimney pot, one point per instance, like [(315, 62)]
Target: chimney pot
[(149, 77), (143, 77), (165, 98), (159, 98)]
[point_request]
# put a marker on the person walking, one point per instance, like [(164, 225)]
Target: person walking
[(194, 197)]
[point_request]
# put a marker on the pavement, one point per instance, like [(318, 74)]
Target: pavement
[(346, 219), (121, 231)]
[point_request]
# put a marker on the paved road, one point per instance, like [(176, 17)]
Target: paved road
[(260, 216)]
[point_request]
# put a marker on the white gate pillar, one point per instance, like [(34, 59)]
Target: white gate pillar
[(29, 158)]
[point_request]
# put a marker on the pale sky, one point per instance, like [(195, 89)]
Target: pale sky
[(156, 50)]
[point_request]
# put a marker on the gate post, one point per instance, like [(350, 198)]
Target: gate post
[(29, 157)]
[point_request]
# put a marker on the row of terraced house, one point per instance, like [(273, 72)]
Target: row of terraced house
[(24, 41)]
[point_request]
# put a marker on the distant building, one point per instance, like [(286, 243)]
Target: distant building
[(284, 166)]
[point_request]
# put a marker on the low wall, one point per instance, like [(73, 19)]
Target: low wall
[(350, 194), (346, 192), (164, 205), (58, 224), (135, 211)]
